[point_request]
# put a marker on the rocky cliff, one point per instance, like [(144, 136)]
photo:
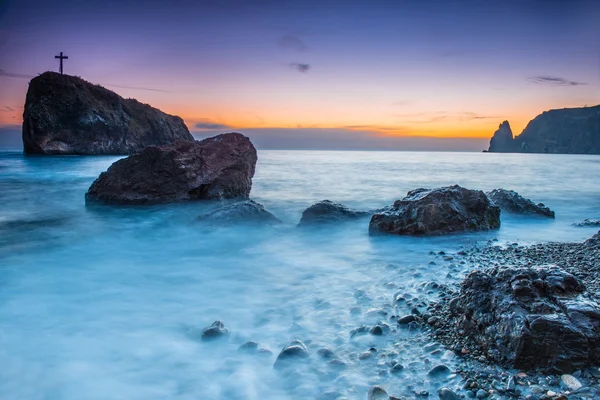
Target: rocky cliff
[(67, 115), (566, 131)]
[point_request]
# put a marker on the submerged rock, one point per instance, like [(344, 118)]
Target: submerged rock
[(66, 115), (220, 167), (216, 331), (247, 211), (437, 211), (293, 352), (588, 222), (512, 202), (377, 393), (530, 318), (329, 212), (447, 394)]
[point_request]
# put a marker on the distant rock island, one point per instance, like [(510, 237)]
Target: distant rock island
[(67, 115), (565, 131)]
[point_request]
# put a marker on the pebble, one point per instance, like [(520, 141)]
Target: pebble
[(439, 371), (405, 320), (571, 382), (482, 394), (536, 389), (447, 394)]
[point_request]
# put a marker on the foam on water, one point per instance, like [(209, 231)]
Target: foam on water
[(107, 302)]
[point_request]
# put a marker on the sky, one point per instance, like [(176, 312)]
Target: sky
[(376, 75)]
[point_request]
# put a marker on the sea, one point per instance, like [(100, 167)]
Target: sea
[(108, 302)]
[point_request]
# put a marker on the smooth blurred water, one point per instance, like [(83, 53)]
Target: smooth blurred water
[(106, 302)]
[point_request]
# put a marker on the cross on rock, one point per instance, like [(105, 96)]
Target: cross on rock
[(61, 58)]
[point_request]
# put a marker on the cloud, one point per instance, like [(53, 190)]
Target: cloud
[(300, 67), (292, 42), (206, 124), (554, 81), (138, 88), (6, 109), (14, 75)]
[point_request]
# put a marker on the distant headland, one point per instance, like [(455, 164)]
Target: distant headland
[(563, 131)]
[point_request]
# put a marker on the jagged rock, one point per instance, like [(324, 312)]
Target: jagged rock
[(247, 211), (215, 168), (529, 318), (377, 393), (216, 331), (329, 212), (291, 353), (512, 202), (567, 131), (67, 115), (588, 222), (502, 140), (438, 211)]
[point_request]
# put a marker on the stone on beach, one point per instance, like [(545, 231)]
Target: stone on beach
[(450, 209), (216, 168)]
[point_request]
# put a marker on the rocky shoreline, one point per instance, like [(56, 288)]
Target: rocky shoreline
[(482, 376)]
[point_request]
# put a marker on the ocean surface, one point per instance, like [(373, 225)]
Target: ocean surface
[(107, 303)]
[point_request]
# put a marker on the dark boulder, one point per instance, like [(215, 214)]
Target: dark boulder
[(215, 168), (247, 212), (529, 318), (437, 211), (502, 140), (216, 331), (292, 353), (512, 202), (588, 222), (66, 115), (327, 211)]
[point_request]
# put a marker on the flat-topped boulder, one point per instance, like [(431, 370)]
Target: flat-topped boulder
[(512, 202), (449, 209), (326, 211), (66, 115), (242, 212), (529, 318), (219, 167)]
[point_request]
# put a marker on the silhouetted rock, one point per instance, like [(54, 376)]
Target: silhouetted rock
[(568, 131), (295, 351), (512, 202), (502, 140), (529, 318), (437, 211), (67, 115), (247, 211), (215, 168), (328, 212), (216, 331)]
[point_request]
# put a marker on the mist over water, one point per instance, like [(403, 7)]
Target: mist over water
[(102, 302)]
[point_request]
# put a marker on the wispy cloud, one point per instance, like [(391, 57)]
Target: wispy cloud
[(138, 88), (6, 109), (554, 81), (208, 124), (300, 67), (292, 42), (14, 75), (437, 116)]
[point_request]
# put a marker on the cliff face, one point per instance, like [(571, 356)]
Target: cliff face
[(67, 115), (503, 141), (566, 131)]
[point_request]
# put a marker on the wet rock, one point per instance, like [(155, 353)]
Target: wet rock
[(325, 353), (588, 222), (293, 352), (447, 394), (326, 212), (66, 115), (439, 371), (361, 330), (377, 330), (248, 347), (439, 211), (220, 167), (482, 394), (396, 368), (405, 320), (377, 393), (530, 318), (216, 331), (571, 382), (512, 202), (247, 211)]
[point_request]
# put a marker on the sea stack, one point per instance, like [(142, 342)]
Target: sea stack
[(216, 168), (65, 115)]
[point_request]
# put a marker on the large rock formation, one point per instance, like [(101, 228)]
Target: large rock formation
[(568, 130), (437, 211), (329, 212), (512, 202), (529, 318), (215, 168), (67, 115)]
